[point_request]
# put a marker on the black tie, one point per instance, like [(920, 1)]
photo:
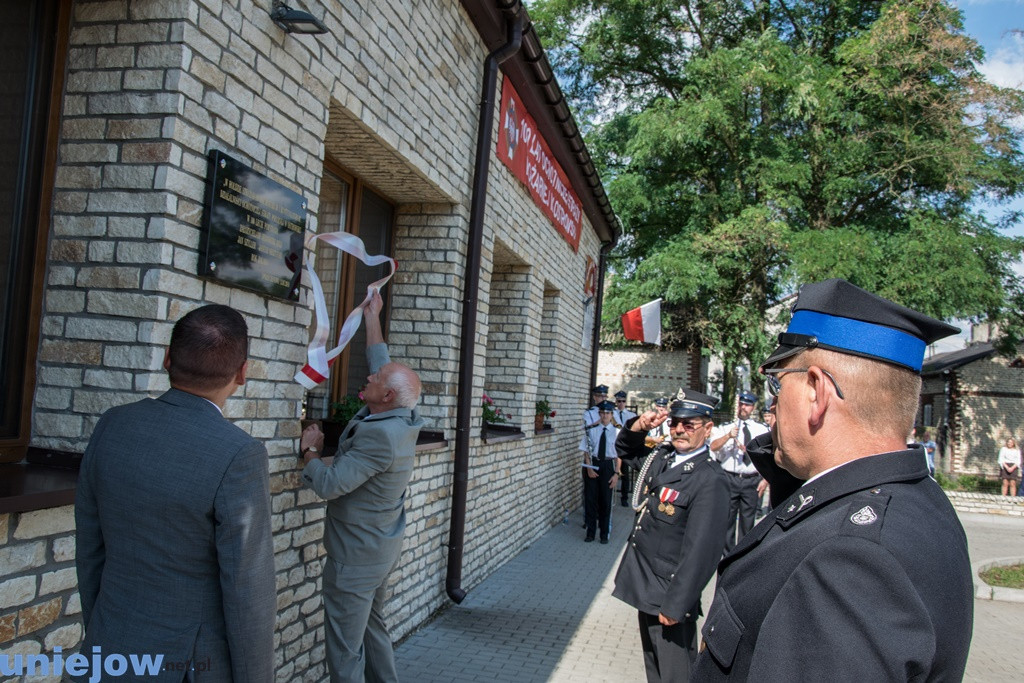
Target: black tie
[(746, 440), (602, 445)]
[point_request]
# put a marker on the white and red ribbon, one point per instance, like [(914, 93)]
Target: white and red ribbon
[(668, 495), (320, 359)]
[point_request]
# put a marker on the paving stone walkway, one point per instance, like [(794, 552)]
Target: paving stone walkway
[(548, 615)]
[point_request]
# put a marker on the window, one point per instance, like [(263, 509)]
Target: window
[(508, 332), (348, 204), (32, 36)]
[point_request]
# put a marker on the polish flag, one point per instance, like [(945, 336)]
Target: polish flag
[(644, 323)]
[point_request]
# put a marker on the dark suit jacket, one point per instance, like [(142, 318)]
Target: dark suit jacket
[(671, 557), (174, 549), (861, 575), (365, 485)]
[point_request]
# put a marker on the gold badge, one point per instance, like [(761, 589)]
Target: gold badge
[(670, 509), (661, 507)]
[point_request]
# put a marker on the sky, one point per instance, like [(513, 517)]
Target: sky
[(990, 22)]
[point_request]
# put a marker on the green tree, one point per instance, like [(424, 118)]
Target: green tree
[(751, 147)]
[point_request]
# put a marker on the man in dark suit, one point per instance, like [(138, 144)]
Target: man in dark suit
[(172, 517), (860, 572), (365, 485), (682, 498)]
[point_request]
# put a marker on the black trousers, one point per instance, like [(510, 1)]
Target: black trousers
[(669, 651), (742, 507), (625, 487), (598, 498)]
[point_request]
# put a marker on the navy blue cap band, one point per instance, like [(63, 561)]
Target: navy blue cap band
[(876, 341)]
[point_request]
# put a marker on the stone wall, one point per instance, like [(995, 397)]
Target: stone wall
[(647, 374), (153, 86), (39, 605), (986, 503)]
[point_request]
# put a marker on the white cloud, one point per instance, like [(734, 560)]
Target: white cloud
[(1005, 66)]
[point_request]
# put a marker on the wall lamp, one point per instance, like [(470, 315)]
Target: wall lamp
[(296, 21)]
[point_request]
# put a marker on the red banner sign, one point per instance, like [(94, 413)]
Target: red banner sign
[(526, 153)]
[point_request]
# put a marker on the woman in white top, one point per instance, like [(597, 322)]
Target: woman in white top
[(1009, 467)]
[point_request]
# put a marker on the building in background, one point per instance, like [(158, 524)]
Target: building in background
[(119, 113), (972, 400)]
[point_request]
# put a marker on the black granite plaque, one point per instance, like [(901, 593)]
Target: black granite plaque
[(253, 230)]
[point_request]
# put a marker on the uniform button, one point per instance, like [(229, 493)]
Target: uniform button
[(687, 615), (711, 630)]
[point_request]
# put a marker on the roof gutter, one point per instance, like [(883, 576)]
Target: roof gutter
[(456, 537), (595, 344)]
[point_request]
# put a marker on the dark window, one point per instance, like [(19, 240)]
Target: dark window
[(28, 45)]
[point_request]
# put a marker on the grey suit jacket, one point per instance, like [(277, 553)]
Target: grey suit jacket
[(365, 485), (174, 549)]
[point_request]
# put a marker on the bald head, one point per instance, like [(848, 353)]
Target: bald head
[(403, 382)]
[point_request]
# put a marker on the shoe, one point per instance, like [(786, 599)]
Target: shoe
[(604, 541), (588, 539), (625, 503)]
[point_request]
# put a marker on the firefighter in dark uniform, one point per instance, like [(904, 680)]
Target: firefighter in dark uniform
[(682, 499), (861, 573)]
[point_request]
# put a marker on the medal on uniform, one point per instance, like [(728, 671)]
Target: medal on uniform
[(667, 496)]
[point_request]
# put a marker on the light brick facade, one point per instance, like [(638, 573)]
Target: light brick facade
[(646, 374), (986, 406), (391, 93)]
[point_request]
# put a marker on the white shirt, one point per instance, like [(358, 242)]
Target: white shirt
[(1009, 456), (690, 455), (592, 441), (590, 416), (729, 454)]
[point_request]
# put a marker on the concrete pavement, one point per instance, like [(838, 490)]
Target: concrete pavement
[(548, 615)]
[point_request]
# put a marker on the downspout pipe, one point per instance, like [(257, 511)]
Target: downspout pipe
[(602, 265), (456, 536)]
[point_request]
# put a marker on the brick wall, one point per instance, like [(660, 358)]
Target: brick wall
[(152, 87), (648, 373), (39, 605), (989, 399)]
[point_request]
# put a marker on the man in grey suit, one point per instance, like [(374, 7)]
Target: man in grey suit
[(172, 516), (365, 485)]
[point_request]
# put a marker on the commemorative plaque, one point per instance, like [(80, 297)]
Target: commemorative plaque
[(253, 230)]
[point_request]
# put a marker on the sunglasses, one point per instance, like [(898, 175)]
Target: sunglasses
[(689, 425)]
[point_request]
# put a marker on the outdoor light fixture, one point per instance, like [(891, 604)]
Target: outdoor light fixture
[(296, 21)]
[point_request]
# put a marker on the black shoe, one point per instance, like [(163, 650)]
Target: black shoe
[(625, 503), (588, 539), (604, 541)]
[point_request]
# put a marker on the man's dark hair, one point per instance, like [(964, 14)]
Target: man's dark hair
[(208, 346)]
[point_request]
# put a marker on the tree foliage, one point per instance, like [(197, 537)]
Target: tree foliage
[(751, 147)]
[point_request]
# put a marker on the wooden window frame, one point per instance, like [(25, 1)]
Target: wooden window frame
[(345, 306), (14, 448)]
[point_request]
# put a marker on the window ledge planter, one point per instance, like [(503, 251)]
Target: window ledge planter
[(498, 433)]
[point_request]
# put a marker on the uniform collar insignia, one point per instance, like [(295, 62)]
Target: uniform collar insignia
[(798, 502)]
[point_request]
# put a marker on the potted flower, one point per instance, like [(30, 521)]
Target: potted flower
[(543, 412), (492, 414)]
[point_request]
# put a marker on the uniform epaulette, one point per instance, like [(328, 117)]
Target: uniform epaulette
[(865, 514)]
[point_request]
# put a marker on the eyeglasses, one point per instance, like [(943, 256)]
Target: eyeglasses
[(688, 425), (774, 385)]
